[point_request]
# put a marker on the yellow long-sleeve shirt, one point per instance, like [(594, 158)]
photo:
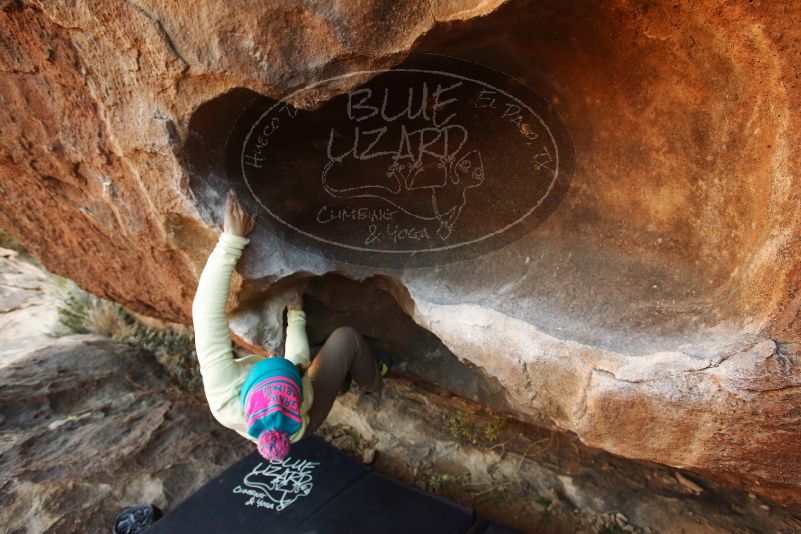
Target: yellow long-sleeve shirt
[(223, 374)]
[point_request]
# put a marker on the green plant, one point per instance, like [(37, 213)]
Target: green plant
[(493, 430), (72, 314), (463, 429), (439, 481), (10, 242), (173, 345)]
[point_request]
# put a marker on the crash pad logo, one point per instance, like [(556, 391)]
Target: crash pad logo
[(276, 485), (437, 160)]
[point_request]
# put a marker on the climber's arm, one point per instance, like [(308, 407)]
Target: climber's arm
[(212, 342), (221, 374), (296, 348)]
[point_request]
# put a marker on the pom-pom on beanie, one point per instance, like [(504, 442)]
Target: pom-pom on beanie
[(274, 445)]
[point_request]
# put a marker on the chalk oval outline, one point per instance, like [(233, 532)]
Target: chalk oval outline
[(418, 71)]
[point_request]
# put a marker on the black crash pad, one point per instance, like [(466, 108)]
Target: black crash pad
[(379, 504), (317, 490)]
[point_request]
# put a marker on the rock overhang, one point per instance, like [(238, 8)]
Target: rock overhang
[(660, 244), (650, 287), (682, 120)]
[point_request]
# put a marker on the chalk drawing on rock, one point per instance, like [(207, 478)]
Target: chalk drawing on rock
[(434, 161), (446, 184)]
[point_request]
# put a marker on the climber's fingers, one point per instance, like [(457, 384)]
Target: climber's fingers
[(296, 301), (237, 220), (250, 223)]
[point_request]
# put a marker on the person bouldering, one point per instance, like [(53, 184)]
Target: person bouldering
[(273, 401)]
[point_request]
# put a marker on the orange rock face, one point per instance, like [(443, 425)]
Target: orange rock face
[(655, 312)]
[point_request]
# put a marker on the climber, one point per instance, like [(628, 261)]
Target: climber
[(271, 401)]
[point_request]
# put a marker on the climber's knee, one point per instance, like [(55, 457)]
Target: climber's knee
[(344, 334), (344, 342)]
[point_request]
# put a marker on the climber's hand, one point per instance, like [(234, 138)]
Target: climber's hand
[(296, 303), (237, 221)]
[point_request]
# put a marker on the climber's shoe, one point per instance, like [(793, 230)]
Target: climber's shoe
[(384, 362), (136, 519)]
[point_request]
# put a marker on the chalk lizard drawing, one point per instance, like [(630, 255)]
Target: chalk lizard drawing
[(285, 481), (447, 184)]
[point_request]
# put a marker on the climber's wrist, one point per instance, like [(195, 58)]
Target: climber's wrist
[(233, 241)]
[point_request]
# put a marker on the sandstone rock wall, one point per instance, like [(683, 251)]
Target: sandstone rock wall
[(90, 427), (655, 314)]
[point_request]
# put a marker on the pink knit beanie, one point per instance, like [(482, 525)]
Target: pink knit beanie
[(274, 445)]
